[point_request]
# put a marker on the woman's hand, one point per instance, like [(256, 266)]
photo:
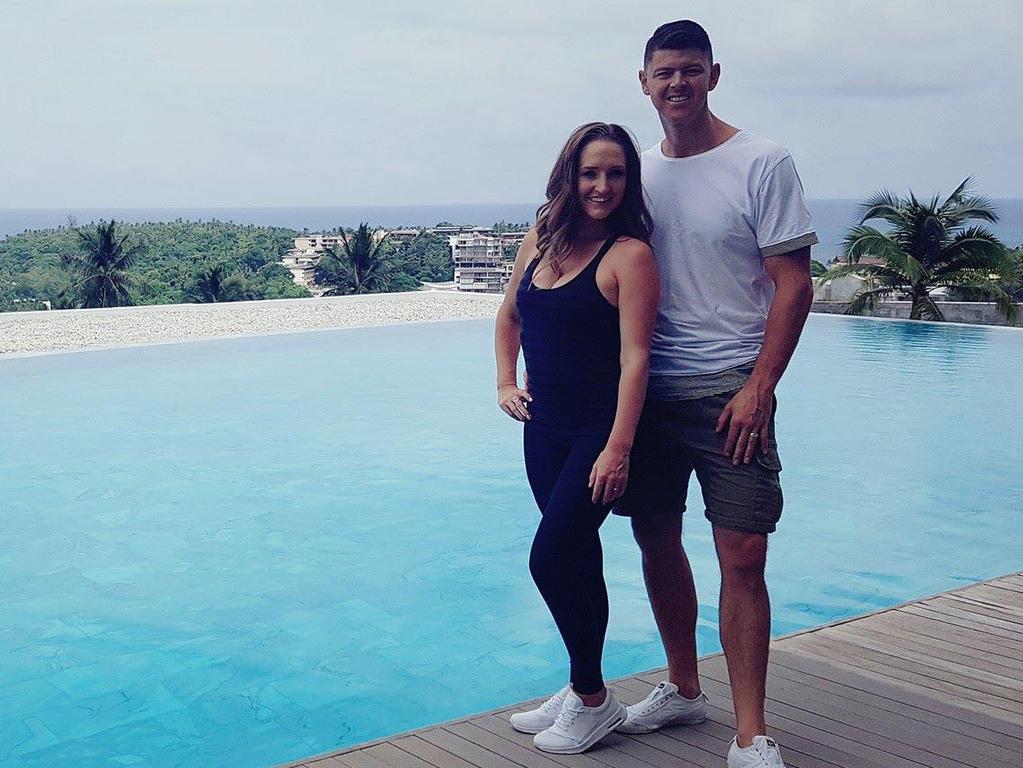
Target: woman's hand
[(610, 475), (514, 401)]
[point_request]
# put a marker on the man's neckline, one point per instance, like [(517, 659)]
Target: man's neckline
[(725, 143)]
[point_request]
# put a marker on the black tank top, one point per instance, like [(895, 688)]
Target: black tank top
[(572, 344)]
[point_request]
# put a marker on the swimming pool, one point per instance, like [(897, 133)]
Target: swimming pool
[(242, 552)]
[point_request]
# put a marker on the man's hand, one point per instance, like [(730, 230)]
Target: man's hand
[(747, 417)]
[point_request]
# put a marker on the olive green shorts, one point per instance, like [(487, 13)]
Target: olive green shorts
[(676, 438)]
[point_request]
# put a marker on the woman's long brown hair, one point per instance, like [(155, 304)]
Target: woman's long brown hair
[(558, 221)]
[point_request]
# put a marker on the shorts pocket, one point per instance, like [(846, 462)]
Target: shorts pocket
[(769, 459)]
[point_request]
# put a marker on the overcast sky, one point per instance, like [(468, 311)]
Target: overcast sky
[(140, 103)]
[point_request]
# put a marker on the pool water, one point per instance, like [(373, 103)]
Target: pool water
[(243, 552)]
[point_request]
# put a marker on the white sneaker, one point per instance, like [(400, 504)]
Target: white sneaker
[(577, 727), (543, 717), (762, 753), (664, 706)]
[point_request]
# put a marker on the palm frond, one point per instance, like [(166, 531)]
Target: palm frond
[(863, 241), (881, 205), (973, 248), (959, 191), (865, 300)]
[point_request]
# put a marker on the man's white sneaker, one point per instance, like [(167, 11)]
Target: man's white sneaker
[(664, 706), (762, 753), (543, 717), (577, 728)]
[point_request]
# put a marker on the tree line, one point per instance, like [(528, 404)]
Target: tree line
[(118, 264)]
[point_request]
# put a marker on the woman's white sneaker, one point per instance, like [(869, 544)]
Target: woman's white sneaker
[(762, 753), (664, 706), (577, 727), (543, 717)]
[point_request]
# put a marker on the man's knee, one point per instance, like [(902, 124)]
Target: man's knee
[(742, 555), (657, 534)]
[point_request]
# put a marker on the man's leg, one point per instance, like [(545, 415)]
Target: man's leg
[(743, 503), (745, 624), (672, 594)]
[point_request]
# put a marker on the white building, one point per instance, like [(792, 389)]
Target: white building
[(302, 259), (484, 259)]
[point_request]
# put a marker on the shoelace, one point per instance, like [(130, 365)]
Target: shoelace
[(565, 718), (653, 703), (555, 702)]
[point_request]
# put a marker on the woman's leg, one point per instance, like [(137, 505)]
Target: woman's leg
[(566, 560)]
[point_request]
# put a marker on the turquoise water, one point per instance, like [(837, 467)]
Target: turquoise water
[(237, 553)]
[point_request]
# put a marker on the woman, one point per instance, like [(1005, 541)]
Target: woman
[(581, 303)]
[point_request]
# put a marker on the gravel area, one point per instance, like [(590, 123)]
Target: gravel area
[(27, 333)]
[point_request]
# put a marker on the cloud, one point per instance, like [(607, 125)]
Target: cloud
[(192, 102)]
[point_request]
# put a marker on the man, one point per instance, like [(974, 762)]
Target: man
[(732, 241)]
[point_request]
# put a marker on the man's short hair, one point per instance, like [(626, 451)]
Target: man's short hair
[(678, 36)]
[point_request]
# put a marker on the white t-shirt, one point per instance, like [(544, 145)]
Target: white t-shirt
[(717, 215)]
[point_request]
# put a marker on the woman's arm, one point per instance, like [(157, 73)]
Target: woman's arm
[(638, 292), (506, 338)]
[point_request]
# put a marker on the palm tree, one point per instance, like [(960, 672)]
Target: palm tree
[(101, 270), (212, 283), (927, 245), (358, 266)]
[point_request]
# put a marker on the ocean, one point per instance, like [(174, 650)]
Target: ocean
[(831, 217)]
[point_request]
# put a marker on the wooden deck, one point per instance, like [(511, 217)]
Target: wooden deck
[(936, 682)]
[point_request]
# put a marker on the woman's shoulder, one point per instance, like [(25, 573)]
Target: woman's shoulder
[(527, 248), (627, 249)]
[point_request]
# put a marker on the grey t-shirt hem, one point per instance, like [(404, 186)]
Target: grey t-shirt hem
[(667, 386)]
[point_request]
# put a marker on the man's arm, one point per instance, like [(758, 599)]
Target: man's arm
[(750, 410)]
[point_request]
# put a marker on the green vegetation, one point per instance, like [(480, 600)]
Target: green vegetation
[(363, 263), (101, 270), (170, 259), (115, 264), (928, 245), (214, 282), (426, 259)]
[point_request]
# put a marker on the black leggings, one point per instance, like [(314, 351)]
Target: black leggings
[(566, 560)]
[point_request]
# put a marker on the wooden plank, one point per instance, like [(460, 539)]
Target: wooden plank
[(500, 729), (996, 698), (960, 624), (960, 653), (471, 753), (877, 747), (978, 702), (395, 757), (431, 753), (994, 595), (528, 757), (984, 740), (798, 751), (1004, 586), (869, 681), (1005, 628), (969, 602), (328, 762), (920, 659), (916, 626), (809, 748), (362, 758), (867, 725), (929, 626)]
